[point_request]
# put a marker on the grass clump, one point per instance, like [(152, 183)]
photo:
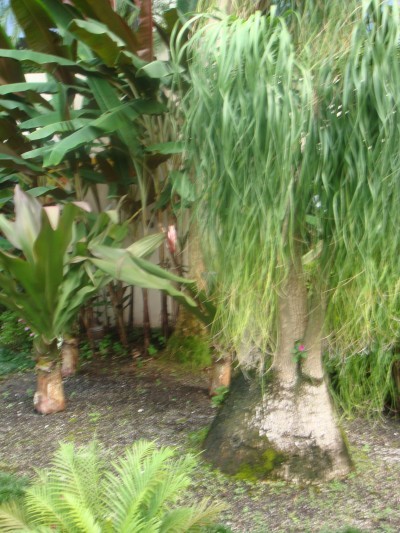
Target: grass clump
[(15, 344), (363, 383), (11, 486), (15, 335), (192, 350), (11, 362)]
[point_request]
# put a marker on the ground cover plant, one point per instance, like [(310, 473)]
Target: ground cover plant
[(11, 486), (15, 344), (139, 494)]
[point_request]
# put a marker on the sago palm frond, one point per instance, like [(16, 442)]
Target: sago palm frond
[(145, 479), (41, 506), (78, 473), (77, 495), (13, 518)]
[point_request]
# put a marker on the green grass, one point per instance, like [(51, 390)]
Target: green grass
[(11, 486), (362, 383), (192, 351), (11, 362)]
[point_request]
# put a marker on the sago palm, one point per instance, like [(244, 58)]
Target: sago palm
[(140, 494)]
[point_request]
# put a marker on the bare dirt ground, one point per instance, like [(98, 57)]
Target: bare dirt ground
[(119, 403)]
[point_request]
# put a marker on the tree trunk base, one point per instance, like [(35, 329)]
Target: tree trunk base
[(69, 358), (221, 371), (49, 397), (266, 431)]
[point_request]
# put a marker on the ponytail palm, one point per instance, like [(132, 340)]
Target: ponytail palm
[(293, 128)]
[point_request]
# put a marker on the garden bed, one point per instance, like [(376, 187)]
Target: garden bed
[(118, 403)]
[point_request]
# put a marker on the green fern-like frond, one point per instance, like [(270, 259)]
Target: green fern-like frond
[(13, 518), (80, 517), (139, 476), (78, 473), (170, 488), (77, 495), (41, 506), (190, 518)]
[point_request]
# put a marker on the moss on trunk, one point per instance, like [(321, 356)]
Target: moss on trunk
[(263, 431)]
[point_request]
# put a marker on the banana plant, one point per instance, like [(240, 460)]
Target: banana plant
[(53, 271)]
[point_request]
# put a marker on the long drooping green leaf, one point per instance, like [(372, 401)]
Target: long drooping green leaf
[(136, 272), (290, 118), (147, 245)]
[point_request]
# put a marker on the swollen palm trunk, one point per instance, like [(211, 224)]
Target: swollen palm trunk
[(49, 397), (283, 426), (69, 357)]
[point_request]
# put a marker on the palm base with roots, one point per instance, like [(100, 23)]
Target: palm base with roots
[(221, 371), (49, 397), (268, 431), (69, 357)]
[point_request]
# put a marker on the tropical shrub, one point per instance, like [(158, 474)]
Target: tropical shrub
[(140, 493), (47, 276)]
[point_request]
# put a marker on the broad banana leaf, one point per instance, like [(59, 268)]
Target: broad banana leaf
[(10, 71), (37, 25), (39, 58), (102, 11), (66, 126), (98, 37), (109, 122)]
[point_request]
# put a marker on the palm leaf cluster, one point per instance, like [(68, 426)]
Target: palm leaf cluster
[(140, 494), (293, 132)]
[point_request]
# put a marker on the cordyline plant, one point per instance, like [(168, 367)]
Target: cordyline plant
[(58, 264), (293, 132)]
